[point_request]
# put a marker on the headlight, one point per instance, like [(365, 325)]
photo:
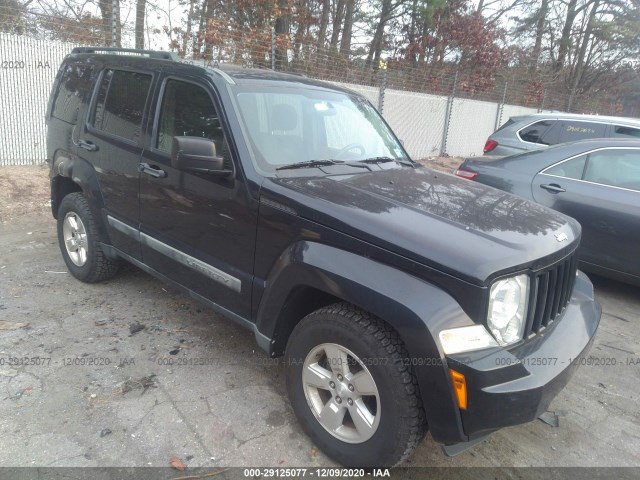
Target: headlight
[(508, 308)]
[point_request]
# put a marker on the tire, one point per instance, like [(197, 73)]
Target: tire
[(371, 350), (79, 240)]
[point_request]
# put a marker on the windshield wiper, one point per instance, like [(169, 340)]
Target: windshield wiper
[(386, 160), (377, 160), (321, 163), (355, 163), (309, 164)]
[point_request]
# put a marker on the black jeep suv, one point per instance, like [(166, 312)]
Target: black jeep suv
[(402, 299)]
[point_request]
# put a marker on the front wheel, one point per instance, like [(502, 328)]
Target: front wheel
[(352, 389)]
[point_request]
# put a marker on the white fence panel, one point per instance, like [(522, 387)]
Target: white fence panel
[(27, 69), (472, 121), (418, 119)]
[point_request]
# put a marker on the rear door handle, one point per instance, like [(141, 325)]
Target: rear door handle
[(87, 145), (152, 170), (553, 188)]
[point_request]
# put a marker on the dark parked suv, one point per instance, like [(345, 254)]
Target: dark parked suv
[(402, 299)]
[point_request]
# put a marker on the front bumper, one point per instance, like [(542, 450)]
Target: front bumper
[(510, 387)]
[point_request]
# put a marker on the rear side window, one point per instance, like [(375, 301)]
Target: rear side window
[(570, 169), (573, 131), (120, 103), (625, 132), (75, 84), (618, 168), (538, 132)]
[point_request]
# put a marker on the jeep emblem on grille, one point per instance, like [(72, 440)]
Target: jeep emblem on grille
[(561, 237)]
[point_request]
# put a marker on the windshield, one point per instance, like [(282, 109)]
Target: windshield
[(287, 126)]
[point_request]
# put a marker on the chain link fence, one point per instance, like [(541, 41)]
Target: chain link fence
[(434, 109), (27, 69)]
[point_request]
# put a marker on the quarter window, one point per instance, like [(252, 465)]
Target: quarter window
[(120, 104), (620, 131), (75, 84), (537, 132), (570, 169)]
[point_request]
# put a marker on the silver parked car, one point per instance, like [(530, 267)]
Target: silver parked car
[(532, 132)]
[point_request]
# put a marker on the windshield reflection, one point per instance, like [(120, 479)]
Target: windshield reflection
[(288, 126)]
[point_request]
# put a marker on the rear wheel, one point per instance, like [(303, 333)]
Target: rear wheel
[(79, 241), (352, 388)]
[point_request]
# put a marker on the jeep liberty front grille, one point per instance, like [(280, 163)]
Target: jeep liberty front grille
[(551, 291)]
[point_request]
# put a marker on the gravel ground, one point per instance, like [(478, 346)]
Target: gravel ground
[(136, 373)]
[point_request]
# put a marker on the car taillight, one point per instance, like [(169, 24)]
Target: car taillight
[(469, 175), (489, 145)]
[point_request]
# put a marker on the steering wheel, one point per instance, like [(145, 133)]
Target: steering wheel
[(350, 147)]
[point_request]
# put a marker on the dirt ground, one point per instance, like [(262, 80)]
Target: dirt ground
[(443, 164), (132, 373), (24, 190)]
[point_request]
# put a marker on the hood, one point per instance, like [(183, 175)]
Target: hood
[(460, 227)]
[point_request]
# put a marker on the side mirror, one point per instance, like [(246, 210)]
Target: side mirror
[(197, 154)]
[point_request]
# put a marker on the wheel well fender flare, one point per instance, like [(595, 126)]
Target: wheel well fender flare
[(415, 308), (70, 173)]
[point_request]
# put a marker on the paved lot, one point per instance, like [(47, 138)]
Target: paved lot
[(109, 397)]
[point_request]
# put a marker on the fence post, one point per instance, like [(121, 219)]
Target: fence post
[(447, 117), (501, 106), (570, 102), (383, 87), (273, 48), (544, 97), (114, 36)]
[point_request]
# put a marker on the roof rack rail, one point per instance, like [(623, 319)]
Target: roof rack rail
[(130, 51)]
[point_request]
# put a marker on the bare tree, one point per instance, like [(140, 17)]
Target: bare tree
[(324, 21), (540, 23), (578, 70), (389, 9), (337, 23), (565, 39), (347, 31)]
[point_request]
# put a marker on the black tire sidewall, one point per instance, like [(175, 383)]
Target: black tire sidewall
[(75, 203), (385, 446)]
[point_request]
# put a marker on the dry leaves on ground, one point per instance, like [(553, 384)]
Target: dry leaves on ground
[(178, 464)]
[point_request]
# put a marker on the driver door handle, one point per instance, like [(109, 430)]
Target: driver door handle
[(553, 188), (152, 170), (87, 145)]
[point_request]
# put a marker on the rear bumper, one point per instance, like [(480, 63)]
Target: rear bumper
[(511, 387)]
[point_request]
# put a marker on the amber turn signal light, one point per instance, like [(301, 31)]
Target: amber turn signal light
[(460, 387)]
